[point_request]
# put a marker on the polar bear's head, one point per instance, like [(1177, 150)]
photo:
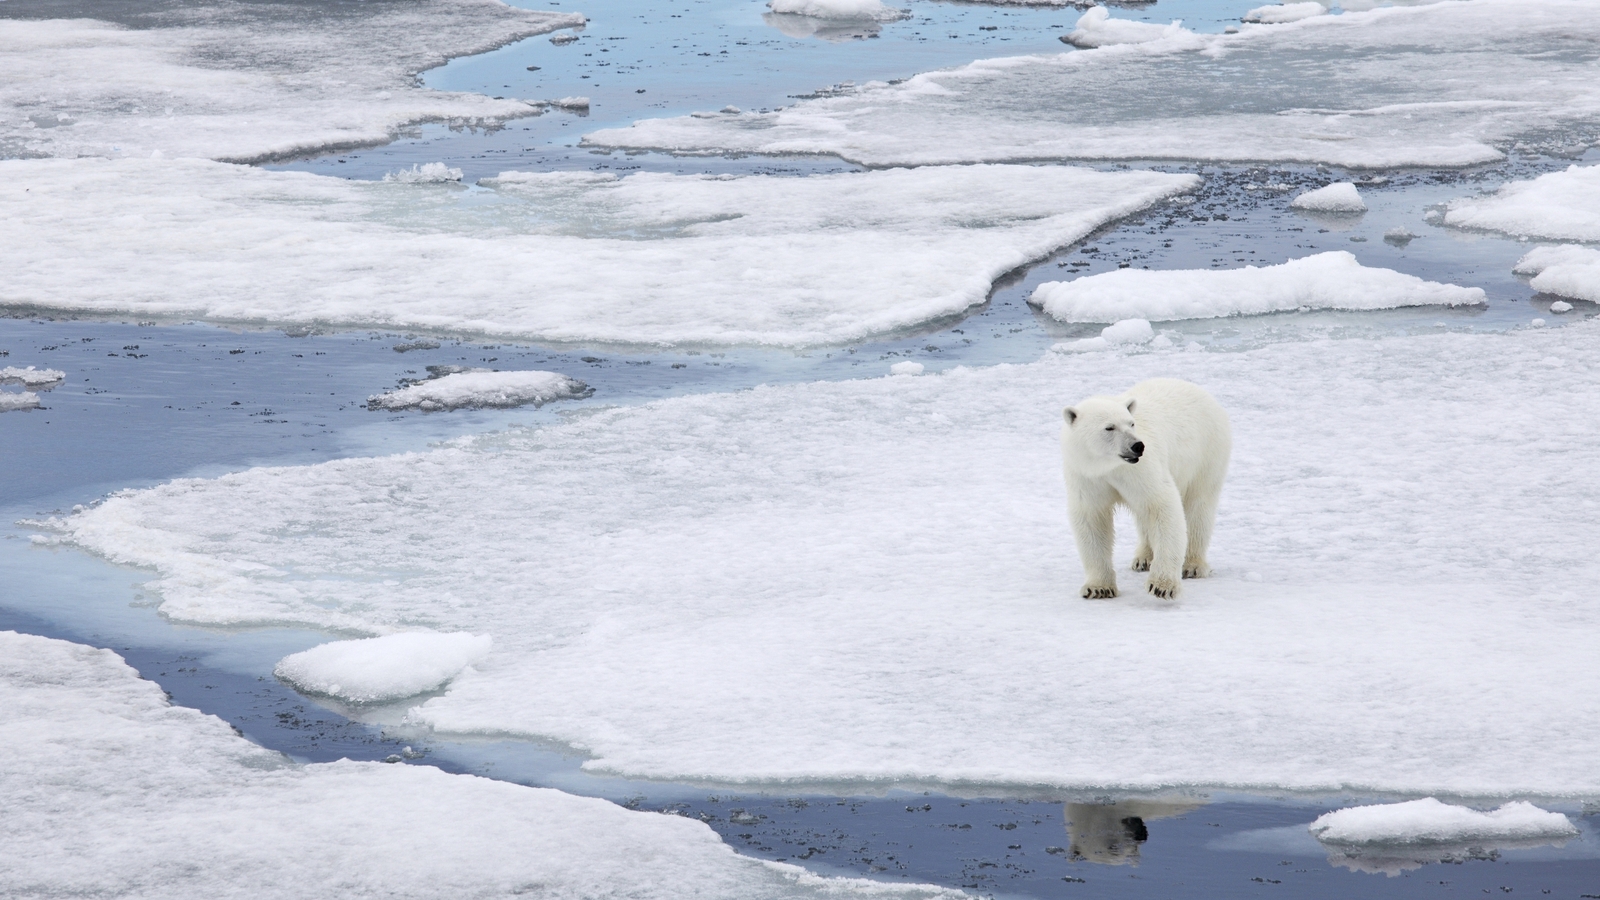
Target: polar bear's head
[(1101, 429)]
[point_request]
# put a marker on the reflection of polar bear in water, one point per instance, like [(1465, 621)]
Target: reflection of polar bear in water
[(1162, 450), (1110, 833)]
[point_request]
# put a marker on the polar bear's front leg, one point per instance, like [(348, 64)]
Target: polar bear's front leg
[(1095, 531), (1161, 521)]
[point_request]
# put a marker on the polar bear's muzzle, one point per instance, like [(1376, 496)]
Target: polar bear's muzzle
[(1135, 450)]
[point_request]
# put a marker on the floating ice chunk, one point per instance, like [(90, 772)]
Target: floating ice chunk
[(481, 389), (1096, 28), (1398, 236), (906, 368), (179, 85), (572, 256), (1565, 271), (857, 10), (1559, 205), (794, 570), (1339, 197), (110, 791), (1560, 306), (11, 401), (566, 37), (379, 669), (1389, 87), (1428, 821), (1279, 13), (1128, 331), (1332, 280), (571, 103), (426, 173), (31, 377)]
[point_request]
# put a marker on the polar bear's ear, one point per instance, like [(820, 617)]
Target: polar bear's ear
[(1070, 414), (1130, 405)]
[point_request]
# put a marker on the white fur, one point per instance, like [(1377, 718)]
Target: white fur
[(1172, 489)]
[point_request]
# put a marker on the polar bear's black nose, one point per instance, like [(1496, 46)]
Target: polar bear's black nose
[(1137, 448)]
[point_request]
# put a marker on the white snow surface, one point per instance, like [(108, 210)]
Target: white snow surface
[(1331, 280), (1447, 84), (574, 256), (1096, 28), (1428, 821), (246, 81), (906, 368), (1279, 13), (384, 668), (855, 10), (30, 376), (874, 580), (1559, 205), (11, 401), (1339, 197), (110, 791), (1565, 271), (476, 389)]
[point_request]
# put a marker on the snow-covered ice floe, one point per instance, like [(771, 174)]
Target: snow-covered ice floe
[(1559, 206), (1117, 334), (110, 791), (1448, 84), (245, 81), (481, 389), (426, 173), (11, 401), (650, 258), (853, 10), (1279, 13), (1339, 197), (1565, 271), (1331, 280), (31, 377), (873, 579), (1096, 28), (379, 669), (1428, 821)]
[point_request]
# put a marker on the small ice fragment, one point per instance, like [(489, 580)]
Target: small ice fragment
[(30, 377), (1428, 821), (1279, 13), (481, 389), (426, 173), (384, 668), (1096, 28), (1398, 236), (1537, 323), (732, 110), (1339, 197), (10, 401), (1560, 306), (565, 37), (571, 103), (1128, 331), (906, 368), (854, 10)]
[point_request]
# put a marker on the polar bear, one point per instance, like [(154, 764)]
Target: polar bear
[(1162, 450)]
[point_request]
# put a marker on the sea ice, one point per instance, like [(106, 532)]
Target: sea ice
[(1117, 334), (1447, 84), (1280, 13), (11, 401), (650, 258), (385, 668), (245, 81), (1339, 197), (426, 173), (906, 368), (110, 791), (489, 389), (1428, 821), (856, 10), (1565, 271), (872, 580), (1559, 205), (1331, 280), (30, 377), (1096, 28)]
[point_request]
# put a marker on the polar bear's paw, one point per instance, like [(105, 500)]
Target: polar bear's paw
[(1141, 560), (1098, 591), (1166, 587), (1196, 568)]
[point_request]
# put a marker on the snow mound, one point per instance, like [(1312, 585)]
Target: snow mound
[(1428, 821), (1279, 13), (245, 82), (1559, 205), (11, 401), (855, 10), (561, 256), (425, 173), (1565, 271), (1339, 197), (865, 579), (1128, 331), (113, 792), (1096, 28), (906, 368), (392, 667), (481, 389), (1390, 87), (30, 376), (1331, 280)]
